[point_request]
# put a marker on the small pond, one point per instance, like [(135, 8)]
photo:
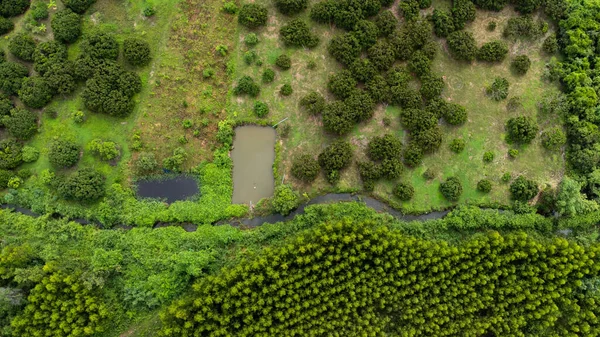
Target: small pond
[(169, 189), (253, 155)]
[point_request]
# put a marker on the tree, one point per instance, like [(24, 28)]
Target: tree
[(484, 186), (297, 33), (360, 105), (66, 26), (286, 89), (6, 26), (30, 154), (284, 199), (10, 8), (252, 15), (6, 105), (363, 70), (342, 84), (391, 168), (47, 54), (402, 44), (570, 201), (146, 163), (413, 155), (283, 61), (63, 153), (268, 75), (462, 45), (366, 32), (451, 189), (443, 23), (35, 92), (457, 145), (429, 139), (416, 120), (314, 103), (79, 6), (419, 64), (60, 78), (106, 150), (384, 147), (463, 11), (22, 46), (174, 162), (21, 124), (84, 185), (324, 11), (381, 55), (337, 118), (523, 189), (523, 27), (10, 154), (493, 5), (527, 6), (100, 46), (386, 23), (521, 64), (291, 7), (406, 97), (550, 45), (499, 89), (111, 91), (554, 138), (431, 86), (378, 89), (494, 51), (345, 48), (454, 114), (305, 168), (522, 129), (409, 9), (11, 77), (336, 156), (136, 51), (261, 109), (404, 191)]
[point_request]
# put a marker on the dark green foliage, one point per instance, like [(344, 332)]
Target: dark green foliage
[(314, 103), (342, 84), (47, 54), (437, 106), (556, 9), (521, 64), (85, 185), (523, 27), (413, 155), (457, 145), (297, 33), (381, 55), (252, 15), (305, 168), (462, 45), (284, 199), (492, 26), (417, 119), (5, 176), (443, 23), (22, 46), (286, 89), (398, 76), (78, 6), (345, 48), (424, 4), (431, 86), (66, 26), (494, 5), (111, 91), (146, 163), (378, 89), (429, 139), (522, 189), (499, 89), (384, 147), (11, 77), (61, 78), (522, 129), (494, 51), (369, 173), (324, 11), (35, 92), (451, 189), (419, 64), (584, 160), (391, 168), (550, 45), (283, 62), (100, 46), (136, 51), (39, 11), (336, 156), (246, 85), (21, 123), (6, 105), (484, 186), (546, 204), (430, 49), (463, 11), (290, 7), (360, 105), (526, 6), (404, 191), (261, 109), (366, 33), (6, 26), (63, 153), (268, 75), (406, 97), (409, 9), (454, 114), (553, 139), (337, 118), (10, 154), (386, 23), (402, 44), (363, 70), (10, 8), (488, 157)]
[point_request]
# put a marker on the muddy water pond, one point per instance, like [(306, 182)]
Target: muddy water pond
[(169, 189), (253, 155)]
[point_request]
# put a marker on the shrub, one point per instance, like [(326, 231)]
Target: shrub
[(284, 62), (297, 33), (506, 177), (290, 7), (409, 9), (366, 32), (419, 64), (314, 103), (417, 120), (149, 11), (22, 46), (550, 45), (284, 199), (431, 86), (488, 157), (413, 155), (174, 162), (454, 114), (252, 15), (286, 89), (522, 129), (48, 54), (63, 153), (6, 105), (337, 118), (381, 55), (30, 154), (521, 64), (554, 138), (360, 105), (462, 45), (378, 89), (100, 46), (136, 51), (268, 75), (391, 168), (111, 91), (494, 51), (429, 174), (429, 139), (451, 189), (10, 154), (493, 5), (457, 145), (6, 26), (406, 97), (499, 89), (251, 40), (146, 163), (463, 11), (10, 8), (105, 150), (247, 86), (513, 153), (66, 26), (386, 23), (344, 48), (342, 84), (85, 185), (491, 26), (261, 109), (384, 147), (11, 77), (305, 168), (78, 6), (404, 191), (522, 27), (35, 92), (363, 70), (21, 123), (230, 7), (523, 189), (443, 23), (527, 6), (484, 186), (336, 156)]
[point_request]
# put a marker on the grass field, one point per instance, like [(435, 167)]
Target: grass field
[(465, 85)]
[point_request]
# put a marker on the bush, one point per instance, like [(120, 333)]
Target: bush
[(360, 105), (463, 11), (521, 64), (554, 138), (527, 6), (146, 163), (493, 5), (100, 46), (251, 40), (78, 6), (391, 168), (419, 64), (290, 7), (253, 16), (342, 84), (494, 51), (10, 154), (230, 7), (451, 189), (550, 45), (381, 55), (314, 103), (386, 23), (484, 186), (22, 46), (378, 89), (247, 86), (366, 32), (513, 153), (457, 145), (454, 114), (404, 191), (499, 89), (21, 123), (488, 157), (297, 33), (261, 109), (63, 153), (284, 62), (409, 9), (443, 23), (85, 185), (344, 48), (284, 199), (363, 70), (431, 86), (523, 189), (11, 77), (522, 27), (6, 26), (384, 147), (413, 155), (66, 26), (286, 89), (506, 177), (174, 162), (429, 140), (105, 150), (48, 54), (462, 45), (336, 156), (491, 26), (136, 51), (30, 154), (149, 11), (337, 118), (10, 8), (521, 129), (406, 97), (305, 168), (111, 91), (416, 120), (35, 92), (268, 75)]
